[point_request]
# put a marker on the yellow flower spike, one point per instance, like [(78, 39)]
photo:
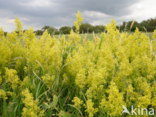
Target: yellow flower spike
[(3, 94), (19, 25), (90, 108), (81, 78), (1, 33), (77, 102), (48, 80), (11, 77), (78, 22), (31, 108), (115, 101)]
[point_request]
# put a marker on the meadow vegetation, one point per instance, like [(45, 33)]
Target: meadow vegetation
[(72, 76)]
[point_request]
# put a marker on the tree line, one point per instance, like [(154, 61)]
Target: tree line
[(144, 26)]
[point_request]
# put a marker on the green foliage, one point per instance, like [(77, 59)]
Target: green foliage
[(130, 26), (51, 30), (65, 30), (86, 28), (145, 26)]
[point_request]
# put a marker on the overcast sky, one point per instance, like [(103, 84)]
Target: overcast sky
[(38, 13)]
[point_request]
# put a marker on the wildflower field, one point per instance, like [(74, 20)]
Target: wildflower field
[(72, 76)]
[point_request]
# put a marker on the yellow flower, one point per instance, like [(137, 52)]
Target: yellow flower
[(77, 102), (1, 32), (48, 80), (3, 94), (79, 20), (81, 78), (19, 25), (12, 78), (0, 79), (90, 109), (113, 105), (31, 108)]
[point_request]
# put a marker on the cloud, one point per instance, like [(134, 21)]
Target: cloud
[(61, 12), (37, 3), (96, 17), (142, 10)]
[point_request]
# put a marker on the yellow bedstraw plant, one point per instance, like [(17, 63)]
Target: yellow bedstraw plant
[(73, 76), (30, 108)]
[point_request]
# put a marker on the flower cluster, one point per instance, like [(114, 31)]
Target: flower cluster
[(30, 108)]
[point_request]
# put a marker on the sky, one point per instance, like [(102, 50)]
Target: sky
[(57, 13)]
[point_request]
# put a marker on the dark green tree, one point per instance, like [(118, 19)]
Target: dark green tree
[(99, 29), (86, 28), (51, 30), (65, 30)]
